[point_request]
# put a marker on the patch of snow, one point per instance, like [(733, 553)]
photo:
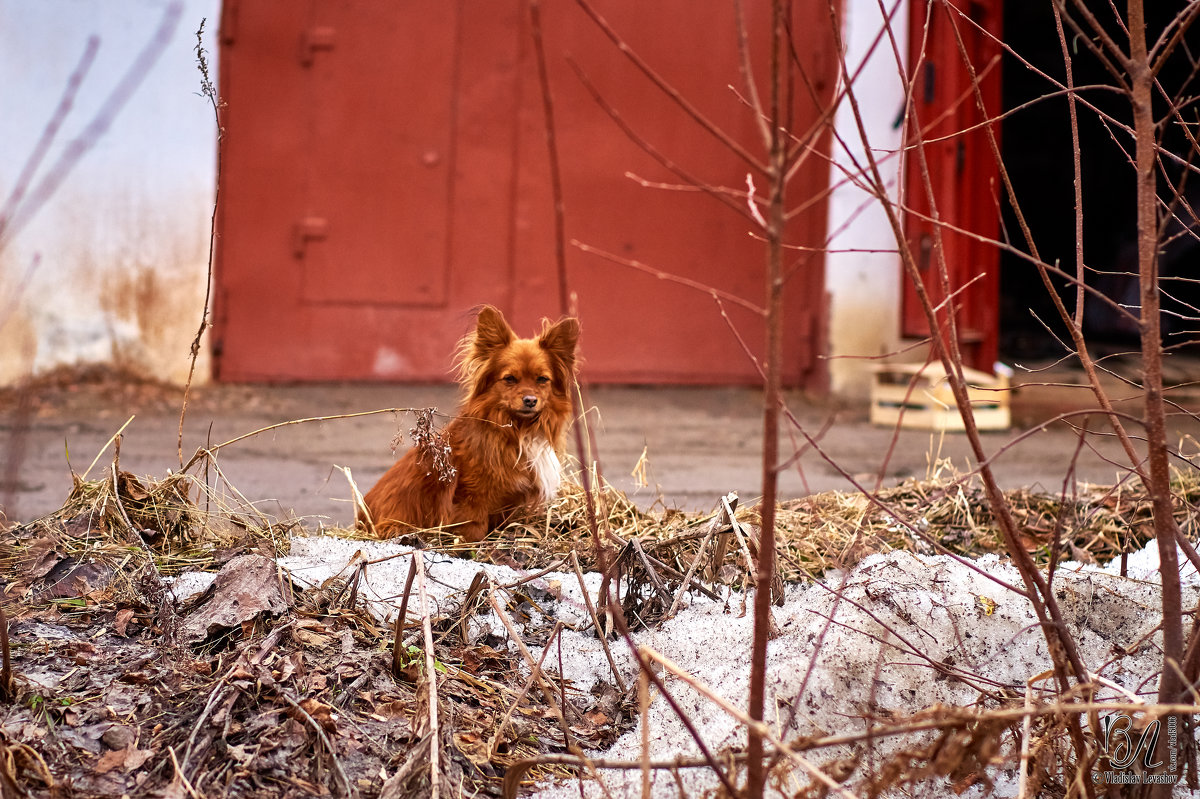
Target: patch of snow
[(897, 634), (189, 584)]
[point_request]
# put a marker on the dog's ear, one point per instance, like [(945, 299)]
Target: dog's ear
[(491, 331), (560, 340)]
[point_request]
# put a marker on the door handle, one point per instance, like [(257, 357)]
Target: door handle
[(314, 39), (307, 229)]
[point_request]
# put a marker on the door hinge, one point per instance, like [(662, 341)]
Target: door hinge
[(924, 251), (306, 230), (314, 39)]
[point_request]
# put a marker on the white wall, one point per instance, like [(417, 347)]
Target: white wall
[(864, 287), (112, 267)]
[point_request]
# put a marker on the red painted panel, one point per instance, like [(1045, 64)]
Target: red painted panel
[(654, 330), (336, 254), (386, 170), (381, 143), (962, 171)]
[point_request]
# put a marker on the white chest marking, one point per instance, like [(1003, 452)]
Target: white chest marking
[(547, 471)]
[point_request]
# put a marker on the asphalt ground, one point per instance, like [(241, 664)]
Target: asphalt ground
[(674, 447)]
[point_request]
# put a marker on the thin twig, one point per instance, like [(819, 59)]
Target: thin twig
[(760, 728), (751, 575), (7, 694), (778, 114), (659, 588), (556, 189), (520, 697), (111, 440), (206, 90), (74, 151), (208, 452), (600, 631), (643, 687), (187, 785), (435, 746), (223, 687), (661, 275), (718, 523), (40, 149), (547, 691), (398, 627), (705, 124)]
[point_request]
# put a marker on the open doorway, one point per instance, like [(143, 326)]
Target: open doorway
[(1037, 148)]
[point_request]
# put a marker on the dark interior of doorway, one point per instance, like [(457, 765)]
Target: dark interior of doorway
[(1037, 150)]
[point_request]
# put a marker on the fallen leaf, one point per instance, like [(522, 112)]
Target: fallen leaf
[(71, 580), (114, 758), (119, 736), (311, 638), (124, 616), (322, 713), (246, 587), (135, 758), (393, 710), (289, 667), (126, 759)]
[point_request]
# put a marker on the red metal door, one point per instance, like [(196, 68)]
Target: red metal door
[(385, 170), (380, 125), (962, 173), (341, 185)]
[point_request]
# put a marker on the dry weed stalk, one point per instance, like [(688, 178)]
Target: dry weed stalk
[(783, 153), (769, 213), (763, 730), (209, 92), (402, 617), (534, 666)]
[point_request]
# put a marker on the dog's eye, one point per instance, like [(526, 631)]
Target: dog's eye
[(543, 380), (512, 381)]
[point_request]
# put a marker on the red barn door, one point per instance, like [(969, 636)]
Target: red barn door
[(338, 188), (962, 172), (385, 170)]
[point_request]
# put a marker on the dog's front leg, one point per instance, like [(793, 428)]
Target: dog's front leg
[(470, 524)]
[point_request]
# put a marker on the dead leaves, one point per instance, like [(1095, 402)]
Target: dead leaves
[(320, 712), (284, 689), (247, 587), (20, 767), (128, 759)]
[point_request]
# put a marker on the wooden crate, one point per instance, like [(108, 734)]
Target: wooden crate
[(918, 397)]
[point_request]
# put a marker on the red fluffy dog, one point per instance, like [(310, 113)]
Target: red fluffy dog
[(503, 444)]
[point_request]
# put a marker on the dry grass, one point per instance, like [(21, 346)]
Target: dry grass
[(182, 523), (837, 529), (122, 534), (98, 563)]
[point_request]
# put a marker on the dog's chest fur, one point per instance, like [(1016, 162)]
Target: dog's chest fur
[(544, 464)]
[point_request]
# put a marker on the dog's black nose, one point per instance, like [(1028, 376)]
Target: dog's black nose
[(531, 401)]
